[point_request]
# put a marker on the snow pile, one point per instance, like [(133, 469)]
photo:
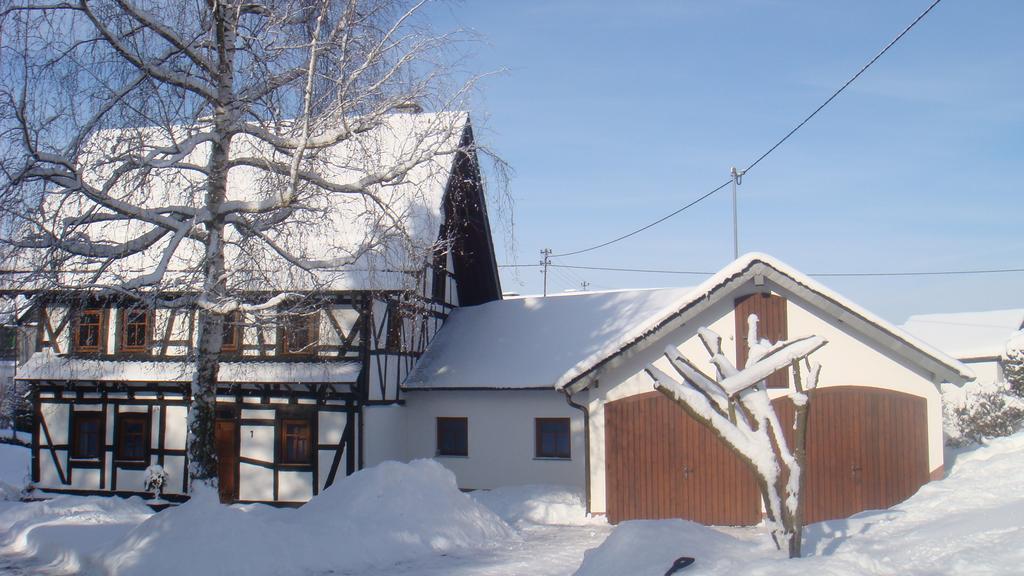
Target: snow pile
[(643, 547), (380, 516), (538, 504), (968, 523), (65, 532), (14, 470)]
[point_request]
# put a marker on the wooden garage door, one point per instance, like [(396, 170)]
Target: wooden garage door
[(660, 463), (867, 448)]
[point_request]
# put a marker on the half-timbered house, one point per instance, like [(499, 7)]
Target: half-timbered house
[(306, 389)]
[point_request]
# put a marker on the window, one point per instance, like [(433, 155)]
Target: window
[(300, 333), (8, 342), (453, 437), (439, 282), (553, 438), (395, 320), (232, 332), (132, 437), (86, 434), (296, 445), (134, 330), (88, 333)]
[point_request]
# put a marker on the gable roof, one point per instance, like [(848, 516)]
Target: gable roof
[(556, 342), (968, 335), (325, 228)]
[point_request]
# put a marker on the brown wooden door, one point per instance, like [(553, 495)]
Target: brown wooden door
[(660, 463), (867, 449), (226, 444)]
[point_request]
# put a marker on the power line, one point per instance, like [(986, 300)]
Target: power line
[(817, 274), (651, 225), (770, 150)]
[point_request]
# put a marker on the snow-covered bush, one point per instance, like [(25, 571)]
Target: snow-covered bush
[(990, 414), (1013, 364)]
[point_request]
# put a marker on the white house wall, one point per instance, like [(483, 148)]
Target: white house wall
[(848, 359), (501, 428), (384, 433)]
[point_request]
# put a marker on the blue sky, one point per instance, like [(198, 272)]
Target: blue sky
[(613, 114)]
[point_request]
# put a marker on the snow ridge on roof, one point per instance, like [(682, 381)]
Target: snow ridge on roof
[(968, 335)]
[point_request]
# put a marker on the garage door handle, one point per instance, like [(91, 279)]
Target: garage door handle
[(686, 472), (855, 471)]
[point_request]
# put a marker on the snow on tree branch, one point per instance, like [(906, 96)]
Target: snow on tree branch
[(738, 410)]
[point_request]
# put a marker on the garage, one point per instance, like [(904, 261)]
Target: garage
[(867, 449)]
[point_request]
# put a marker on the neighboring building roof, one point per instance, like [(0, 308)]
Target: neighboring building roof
[(557, 341), (328, 228), (48, 366), (968, 335)]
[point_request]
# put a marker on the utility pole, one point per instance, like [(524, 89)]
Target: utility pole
[(585, 285), (737, 179), (546, 253)]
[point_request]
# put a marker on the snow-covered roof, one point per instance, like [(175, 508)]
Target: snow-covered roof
[(556, 341), (532, 342), (48, 366), (403, 216), (968, 335)]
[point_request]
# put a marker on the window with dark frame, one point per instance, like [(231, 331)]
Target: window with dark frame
[(439, 283), (88, 332), (132, 437), (296, 441), (134, 330), (395, 321), (300, 333), (231, 341), (452, 436), (553, 440), (86, 435)]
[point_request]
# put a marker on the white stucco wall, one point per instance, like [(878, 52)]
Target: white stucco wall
[(384, 429), (501, 435), (848, 359)]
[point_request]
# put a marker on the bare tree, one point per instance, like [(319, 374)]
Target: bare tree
[(736, 407), (157, 147)]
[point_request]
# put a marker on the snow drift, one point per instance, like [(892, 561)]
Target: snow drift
[(538, 504), (383, 515)]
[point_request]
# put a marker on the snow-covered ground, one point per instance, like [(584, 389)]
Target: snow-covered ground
[(399, 519)]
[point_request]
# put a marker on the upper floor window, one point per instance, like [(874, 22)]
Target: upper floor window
[(8, 342), (439, 283), (300, 333), (396, 317), (134, 330), (232, 339), (86, 434), (88, 333), (132, 437)]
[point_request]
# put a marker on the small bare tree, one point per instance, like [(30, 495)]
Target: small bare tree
[(736, 407), (193, 148)]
